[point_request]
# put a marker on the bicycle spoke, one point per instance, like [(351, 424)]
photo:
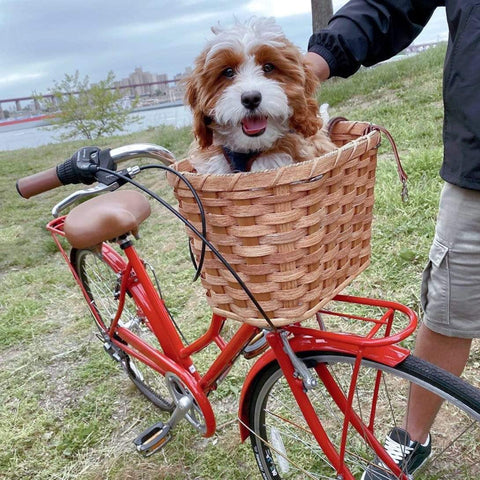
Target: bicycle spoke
[(101, 282), (281, 431)]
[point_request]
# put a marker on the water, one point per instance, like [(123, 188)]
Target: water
[(179, 116)]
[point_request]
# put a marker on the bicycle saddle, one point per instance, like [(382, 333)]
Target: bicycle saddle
[(106, 217)]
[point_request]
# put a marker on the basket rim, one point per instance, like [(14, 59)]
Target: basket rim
[(305, 171)]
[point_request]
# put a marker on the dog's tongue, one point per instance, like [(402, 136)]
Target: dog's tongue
[(254, 125)]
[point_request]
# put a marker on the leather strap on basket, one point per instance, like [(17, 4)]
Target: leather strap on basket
[(371, 127)]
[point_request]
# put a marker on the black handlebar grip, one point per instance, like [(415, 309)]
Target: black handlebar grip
[(38, 182), (80, 168)]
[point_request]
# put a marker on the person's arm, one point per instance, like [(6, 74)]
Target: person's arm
[(318, 65), (366, 32)]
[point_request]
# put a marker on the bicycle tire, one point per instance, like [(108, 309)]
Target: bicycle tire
[(278, 429), (100, 279)]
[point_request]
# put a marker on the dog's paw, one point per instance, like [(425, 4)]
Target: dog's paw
[(324, 113), (269, 162)]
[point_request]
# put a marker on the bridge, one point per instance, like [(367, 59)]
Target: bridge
[(170, 89), (420, 47)]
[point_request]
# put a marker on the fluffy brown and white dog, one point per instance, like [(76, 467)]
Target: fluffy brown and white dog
[(253, 104)]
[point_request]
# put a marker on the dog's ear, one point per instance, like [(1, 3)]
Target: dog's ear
[(203, 133), (305, 119), (311, 81), (200, 123)]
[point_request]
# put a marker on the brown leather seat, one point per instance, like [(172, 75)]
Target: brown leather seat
[(106, 217)]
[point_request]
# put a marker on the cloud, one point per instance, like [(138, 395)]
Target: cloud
[(279, 9), (96, 37), (44, 39), (19, 77)]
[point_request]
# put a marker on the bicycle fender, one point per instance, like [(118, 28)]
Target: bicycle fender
[(263, 362), (390, 355)]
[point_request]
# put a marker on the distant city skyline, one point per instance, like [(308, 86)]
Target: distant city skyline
[(140, 77), (151, 89)]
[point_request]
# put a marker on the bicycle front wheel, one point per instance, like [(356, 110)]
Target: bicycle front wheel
[(285, 447), (101, 281)]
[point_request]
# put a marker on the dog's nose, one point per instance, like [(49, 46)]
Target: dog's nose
[(251, 100)]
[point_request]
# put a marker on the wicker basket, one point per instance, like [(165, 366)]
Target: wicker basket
[(296, 235)]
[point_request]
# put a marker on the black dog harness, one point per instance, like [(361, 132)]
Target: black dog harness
[(240, 161)]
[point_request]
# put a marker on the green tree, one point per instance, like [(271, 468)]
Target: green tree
[(87, 110)]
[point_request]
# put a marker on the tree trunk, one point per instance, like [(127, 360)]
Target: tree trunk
[(322, 11)]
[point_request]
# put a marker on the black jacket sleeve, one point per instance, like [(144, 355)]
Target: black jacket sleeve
[(365, 32)]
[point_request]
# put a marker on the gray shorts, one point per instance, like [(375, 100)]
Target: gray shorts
[(451, 279)]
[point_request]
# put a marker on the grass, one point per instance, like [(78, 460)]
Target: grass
[(66, 411)]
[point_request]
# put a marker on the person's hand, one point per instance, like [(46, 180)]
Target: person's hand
[(318, 65)]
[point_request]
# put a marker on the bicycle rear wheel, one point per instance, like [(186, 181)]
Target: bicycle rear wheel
[(285, 448), (101, 281)]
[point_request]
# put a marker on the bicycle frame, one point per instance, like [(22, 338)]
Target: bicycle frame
[(176, 357)]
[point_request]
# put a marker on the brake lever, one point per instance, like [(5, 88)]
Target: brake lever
[(72, 198), (100, 187)]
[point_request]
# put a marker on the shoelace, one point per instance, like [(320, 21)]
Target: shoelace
[(397, 451)]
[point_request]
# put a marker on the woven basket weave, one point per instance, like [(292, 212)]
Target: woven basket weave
[(296, 235)]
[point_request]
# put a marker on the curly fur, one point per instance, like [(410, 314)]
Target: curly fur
[(253, 58)]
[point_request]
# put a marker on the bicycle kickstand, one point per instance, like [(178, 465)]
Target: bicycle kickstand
[(157, 436)]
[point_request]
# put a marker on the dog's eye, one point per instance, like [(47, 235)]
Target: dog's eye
[(268, 67), (228, 72)]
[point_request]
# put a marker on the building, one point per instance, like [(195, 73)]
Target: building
[(152, 88), (142, 79)]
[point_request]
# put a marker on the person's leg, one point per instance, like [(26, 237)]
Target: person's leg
[(449, 353), (450, 299), (450, 302)]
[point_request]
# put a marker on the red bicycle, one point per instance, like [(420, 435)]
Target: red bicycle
[(317, 402)]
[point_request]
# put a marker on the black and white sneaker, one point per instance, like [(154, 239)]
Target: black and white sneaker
[(408, 455)]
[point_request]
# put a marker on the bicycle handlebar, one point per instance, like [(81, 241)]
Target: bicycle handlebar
[(39, 182), (84, 167)]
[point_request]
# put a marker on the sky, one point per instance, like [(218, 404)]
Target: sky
[(42, 40)]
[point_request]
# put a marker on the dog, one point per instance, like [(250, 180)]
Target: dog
[(252, 100)]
